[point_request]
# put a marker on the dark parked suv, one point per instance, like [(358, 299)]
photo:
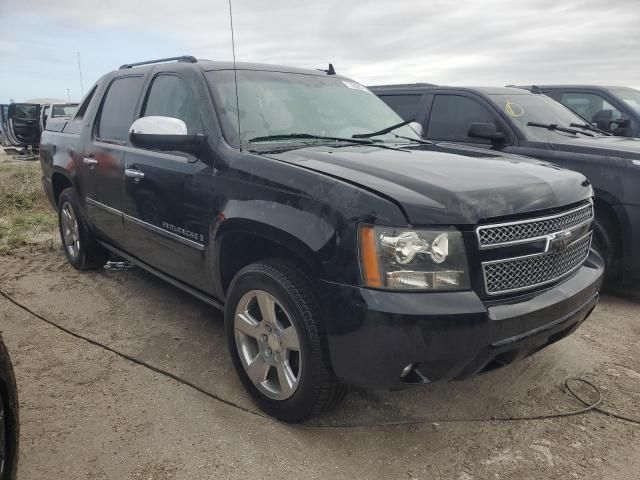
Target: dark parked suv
[(341, 247), (513, 120), (613, 109)]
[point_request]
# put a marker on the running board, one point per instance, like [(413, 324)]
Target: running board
[(176, 283)]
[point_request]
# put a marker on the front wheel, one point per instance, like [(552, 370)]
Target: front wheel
[(276, 340)]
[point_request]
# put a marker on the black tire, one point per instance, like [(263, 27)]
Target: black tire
[(89, 254), (318, 387), (9, 424), (605, 242)]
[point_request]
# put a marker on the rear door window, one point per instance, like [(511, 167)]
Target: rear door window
[(118, 109), (452, 115), (171, 96), (404, 105)]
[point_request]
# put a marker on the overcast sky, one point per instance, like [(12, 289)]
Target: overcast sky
[(479, 42)]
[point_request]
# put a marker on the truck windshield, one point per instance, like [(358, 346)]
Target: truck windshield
[(527, 109), (629, 96), (277, 104)]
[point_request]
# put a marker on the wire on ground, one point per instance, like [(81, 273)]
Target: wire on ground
[(589, 406)]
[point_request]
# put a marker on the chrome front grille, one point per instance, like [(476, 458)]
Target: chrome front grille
[(557, 246), (503, 276), (492, 236)]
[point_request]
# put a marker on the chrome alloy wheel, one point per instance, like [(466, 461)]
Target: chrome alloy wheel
[(70, 231), (268, 345)]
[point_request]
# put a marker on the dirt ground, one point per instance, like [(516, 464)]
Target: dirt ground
[(89, 414)]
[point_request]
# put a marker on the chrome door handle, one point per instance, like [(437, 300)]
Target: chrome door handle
[(134, 174), (91, 162)]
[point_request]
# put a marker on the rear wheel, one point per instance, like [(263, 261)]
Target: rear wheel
[(276, 340), (80, 246)]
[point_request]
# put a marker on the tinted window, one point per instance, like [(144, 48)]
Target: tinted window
[(118, 108), (592, 107), (404, 105), (452, 115), (171, 96)]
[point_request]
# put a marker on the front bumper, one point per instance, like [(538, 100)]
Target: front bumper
[(373, 335)]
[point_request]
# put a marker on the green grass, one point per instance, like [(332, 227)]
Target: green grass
[(26, 218)]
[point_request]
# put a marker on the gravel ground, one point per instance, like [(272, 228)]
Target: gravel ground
[(89, 414)]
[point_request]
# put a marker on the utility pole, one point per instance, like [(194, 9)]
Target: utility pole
[(68, 96)]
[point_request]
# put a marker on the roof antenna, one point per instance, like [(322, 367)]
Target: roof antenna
[(235, 73), (80, 72), (329, 71)]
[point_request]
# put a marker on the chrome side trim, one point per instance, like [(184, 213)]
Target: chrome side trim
[(532, 220), (107, 208), (163, 232), (149, 226)]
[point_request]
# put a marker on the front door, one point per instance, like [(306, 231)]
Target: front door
[(167, 194), (101, 162), (24, 124)]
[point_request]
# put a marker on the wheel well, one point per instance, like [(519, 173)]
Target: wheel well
[(606, 215), (239, 249), (59, 183)]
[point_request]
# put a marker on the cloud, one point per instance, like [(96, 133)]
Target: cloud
[(488, 42)]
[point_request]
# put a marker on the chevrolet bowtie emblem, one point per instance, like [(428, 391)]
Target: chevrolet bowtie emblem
[(559, 241)]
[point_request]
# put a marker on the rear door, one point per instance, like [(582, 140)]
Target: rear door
[(102, 159), (167, 194), (24, 123)]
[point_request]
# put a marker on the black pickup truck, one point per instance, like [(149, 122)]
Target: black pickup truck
[(514, 120), (342, 248)]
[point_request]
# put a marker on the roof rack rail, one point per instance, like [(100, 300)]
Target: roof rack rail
[(183, 58)]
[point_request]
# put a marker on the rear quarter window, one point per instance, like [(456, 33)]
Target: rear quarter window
[(118, 109), (404, 105)]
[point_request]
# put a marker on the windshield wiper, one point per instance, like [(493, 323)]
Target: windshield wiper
[(415, 140), (383, 131), (586, 126), (301, 136), (553, 126)]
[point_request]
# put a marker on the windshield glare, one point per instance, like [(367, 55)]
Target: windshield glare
[(522, 109), (275, 103), (629, 96)]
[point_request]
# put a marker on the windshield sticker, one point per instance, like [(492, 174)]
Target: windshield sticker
[(513, 109), (356, 86)]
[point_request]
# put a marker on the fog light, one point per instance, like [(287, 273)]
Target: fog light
[(406, 370)]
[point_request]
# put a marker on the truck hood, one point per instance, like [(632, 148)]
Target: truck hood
[(621, 147), (447, 184)]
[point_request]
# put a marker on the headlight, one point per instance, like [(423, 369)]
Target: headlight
[(400, 259)]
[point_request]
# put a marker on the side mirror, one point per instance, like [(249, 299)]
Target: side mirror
[(164, 133), (620, 123), (417, 127), (487, 131)]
